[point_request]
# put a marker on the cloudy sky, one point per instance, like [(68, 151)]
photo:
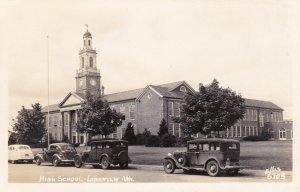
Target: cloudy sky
[(245, 45)]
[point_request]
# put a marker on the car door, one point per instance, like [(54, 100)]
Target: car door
[(204, 149), (193, 154), (92, 158), (50, 152)]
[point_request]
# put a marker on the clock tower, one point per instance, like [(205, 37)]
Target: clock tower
[(88, 76)]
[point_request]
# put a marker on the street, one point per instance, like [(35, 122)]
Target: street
[(46, 173)]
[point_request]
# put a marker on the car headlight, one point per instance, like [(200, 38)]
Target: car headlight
[(169, 154)]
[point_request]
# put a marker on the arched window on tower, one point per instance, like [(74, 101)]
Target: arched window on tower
[(89, 42), (84, 43), (182, 89), (91, 61), (82, 62)]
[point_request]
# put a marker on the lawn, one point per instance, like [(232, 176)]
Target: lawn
[(256, 155)]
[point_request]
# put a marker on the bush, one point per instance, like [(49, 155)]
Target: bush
[(141, 138), (255, 138), (182, 141), (167, 140), (152, 141), (129, 134)]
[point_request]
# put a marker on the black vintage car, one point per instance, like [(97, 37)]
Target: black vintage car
[(212, 155), (103, 153), (56, 154)]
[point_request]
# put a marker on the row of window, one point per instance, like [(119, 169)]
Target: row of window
[(131, 111), (175, 129), (91, 62), (282, 134), (242, 131), (174, 108)]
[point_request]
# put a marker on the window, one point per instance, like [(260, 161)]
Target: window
[(171, 128), (248, 114), (82, 62), (179, 129), (89, 42), (227, 132), (131, 112), (176, 109), (214, 146), (249, 129), (282, 134), (182, 89), (261, 120), (253, 131), (245, 131), (205, 147), (66, 119), (84, 43), (122, 110), (234, 131), (255, 115), (91, 61), (171, 108), (232, 146), (55, 121)]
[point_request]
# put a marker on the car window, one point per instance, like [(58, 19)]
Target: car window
[(120, 144), (192, 146), (52, 147), (67, 147), (94, 146), (214, 146), (232, 146), (23, 147), (205, 146)]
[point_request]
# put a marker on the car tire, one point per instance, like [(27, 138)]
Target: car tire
[(38, 161), (55, 162), (169, 166), (105, 163), (123, 165), (212, 168), (77, 162)]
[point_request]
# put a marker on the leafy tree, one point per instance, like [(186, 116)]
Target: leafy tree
[(96, 117), (29, 125), (129, 134), (163, 128), (12, 138), (212, 109)]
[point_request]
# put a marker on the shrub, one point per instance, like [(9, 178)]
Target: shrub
[(129, 134), (152, 141), (255, 138), (141, 138), (167, 140), (182, 141), (163, 128)]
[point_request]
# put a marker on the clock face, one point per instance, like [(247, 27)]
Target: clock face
[(93, 82)]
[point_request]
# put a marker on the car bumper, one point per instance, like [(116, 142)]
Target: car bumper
[(67, 160), (230, 167)]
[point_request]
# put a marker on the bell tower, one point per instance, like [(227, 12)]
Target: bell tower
[(88, 76)]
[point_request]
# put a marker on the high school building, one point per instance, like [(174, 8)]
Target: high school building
[(146, 107)]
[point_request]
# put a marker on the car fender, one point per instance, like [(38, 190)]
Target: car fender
[(105, 155), (177, 164), (57, 155), (40, 155)]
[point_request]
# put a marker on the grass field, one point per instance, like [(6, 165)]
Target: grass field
[(256, 155)]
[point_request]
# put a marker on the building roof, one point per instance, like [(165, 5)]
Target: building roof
[(261, 104), (122, 96), (51, 108)]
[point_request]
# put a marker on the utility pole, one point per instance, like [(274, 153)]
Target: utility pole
[(48, 116)]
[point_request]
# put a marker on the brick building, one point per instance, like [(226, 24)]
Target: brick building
[(146, 107)]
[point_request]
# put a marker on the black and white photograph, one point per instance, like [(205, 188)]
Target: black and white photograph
[(149, 95)]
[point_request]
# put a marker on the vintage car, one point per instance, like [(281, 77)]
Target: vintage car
[(57, 153), (103, 153), (212, 155), (20, 153)]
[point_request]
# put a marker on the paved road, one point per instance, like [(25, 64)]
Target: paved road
[(46, 173)]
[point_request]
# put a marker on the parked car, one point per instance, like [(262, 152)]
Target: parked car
[(20, 153), (212, 155), (103, 153), (57, 153)]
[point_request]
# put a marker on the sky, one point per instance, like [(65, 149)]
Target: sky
[(245, 45)]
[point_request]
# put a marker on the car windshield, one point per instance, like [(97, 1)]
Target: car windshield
[(232, 146), (67, 147), (23, 148)]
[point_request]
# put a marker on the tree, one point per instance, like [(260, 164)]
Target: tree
[(29, 126), (12, 139), (212, 109), (96, 117), (163, 128), (129, 134)]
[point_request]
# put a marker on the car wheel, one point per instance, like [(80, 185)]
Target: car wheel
[(169, 166), (77, 162), (55, 162), (105, 163), (212, 168), (123, 165), (38, 160)]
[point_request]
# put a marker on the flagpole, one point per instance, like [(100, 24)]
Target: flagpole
[(48, 116)]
